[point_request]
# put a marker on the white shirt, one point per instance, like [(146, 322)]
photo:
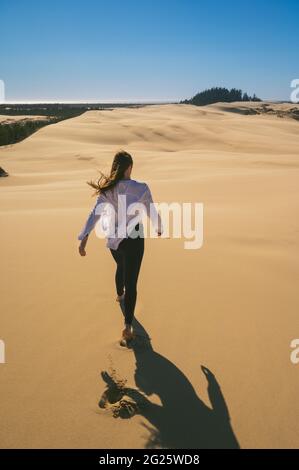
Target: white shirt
[(134, 192)]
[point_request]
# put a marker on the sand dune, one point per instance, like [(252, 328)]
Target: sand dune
[(231, 306), (6, 119)]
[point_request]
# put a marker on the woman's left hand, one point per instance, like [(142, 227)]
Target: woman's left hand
[(82, 246)]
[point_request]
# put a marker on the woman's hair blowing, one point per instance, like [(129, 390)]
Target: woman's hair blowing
[(121, 162)]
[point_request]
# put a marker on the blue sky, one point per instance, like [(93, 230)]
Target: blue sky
[(146, 49)]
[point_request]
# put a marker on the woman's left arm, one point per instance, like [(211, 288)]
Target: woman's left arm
[(82, 246), (93, 217)]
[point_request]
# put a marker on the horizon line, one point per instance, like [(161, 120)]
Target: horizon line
[(133, 101)]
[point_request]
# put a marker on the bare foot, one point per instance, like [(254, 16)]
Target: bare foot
[(128, 334), (119, 298)]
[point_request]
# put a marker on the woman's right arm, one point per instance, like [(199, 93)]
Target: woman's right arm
[(152, 212)]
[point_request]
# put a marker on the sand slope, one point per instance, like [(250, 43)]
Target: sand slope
[(7, 119), (231, 306)]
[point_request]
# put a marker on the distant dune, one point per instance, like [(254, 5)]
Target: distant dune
[(14, 129), (231, 306), (7, 118), (281, 110)]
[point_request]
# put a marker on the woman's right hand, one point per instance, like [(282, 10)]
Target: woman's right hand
[(82, 250)]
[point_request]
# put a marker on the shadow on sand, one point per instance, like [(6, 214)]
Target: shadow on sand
[(182, 421)]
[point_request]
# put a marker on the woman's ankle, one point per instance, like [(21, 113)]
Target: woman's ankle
[(120, 297)]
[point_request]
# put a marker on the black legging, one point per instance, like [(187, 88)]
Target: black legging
[(128, 257)]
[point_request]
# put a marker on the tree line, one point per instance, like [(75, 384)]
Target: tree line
[(13, 132), (219, 94)]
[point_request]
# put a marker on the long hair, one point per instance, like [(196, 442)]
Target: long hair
[(121, 162)]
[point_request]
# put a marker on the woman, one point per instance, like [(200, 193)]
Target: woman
[(126, 246)]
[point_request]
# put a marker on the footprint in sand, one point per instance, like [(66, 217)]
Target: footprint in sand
[(122, 401), (81, 157), (139, 343)]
